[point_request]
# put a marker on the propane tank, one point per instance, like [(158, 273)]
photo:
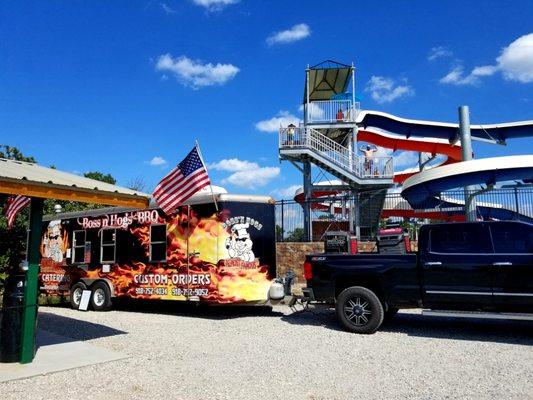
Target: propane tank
[(276, 291)]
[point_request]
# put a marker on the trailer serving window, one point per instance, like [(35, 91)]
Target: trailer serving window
[(78, 247), (108, 242), (158, 243)]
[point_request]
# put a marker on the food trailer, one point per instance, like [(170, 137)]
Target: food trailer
[(194, 254)]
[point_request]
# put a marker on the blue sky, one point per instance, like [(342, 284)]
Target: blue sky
[(112, 86)]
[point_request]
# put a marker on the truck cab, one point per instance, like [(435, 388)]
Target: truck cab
[(478, 266)]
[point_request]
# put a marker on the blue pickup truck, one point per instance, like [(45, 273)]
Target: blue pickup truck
[(471, 269)]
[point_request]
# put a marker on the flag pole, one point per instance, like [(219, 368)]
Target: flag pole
[(207, 172)]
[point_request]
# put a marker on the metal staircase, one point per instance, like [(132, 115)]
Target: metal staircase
[(298, 144), (368, 177), (371, 204)]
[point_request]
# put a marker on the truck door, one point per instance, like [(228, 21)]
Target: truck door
[(457, 266), (513, 266)]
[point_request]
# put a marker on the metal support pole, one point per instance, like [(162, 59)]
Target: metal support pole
[(357, 216), (351, 225), (282, 222), (466, 151), (517, 204), (30, 291), (306, 111), (308, 229)]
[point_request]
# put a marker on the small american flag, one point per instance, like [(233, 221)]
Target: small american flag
[(15, 204), (182, 182)]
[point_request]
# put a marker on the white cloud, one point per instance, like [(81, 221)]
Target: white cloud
[(439, 52), (252, 178), (286, 193), (167, 9), (214, 5), (233, 165), (273, 124), (385, 90), (297, 32), (245, 174), (195, 74), (157, 161), (515, 62)]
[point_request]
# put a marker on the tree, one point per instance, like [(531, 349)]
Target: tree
[(108, 178), (13, 153), (297, 235), (279, 234)]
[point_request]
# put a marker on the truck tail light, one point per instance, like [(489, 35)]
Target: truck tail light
[(308, 270)]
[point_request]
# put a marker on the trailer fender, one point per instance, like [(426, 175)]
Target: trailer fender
[(90, 281)]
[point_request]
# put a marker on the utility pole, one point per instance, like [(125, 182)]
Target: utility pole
[(466, 152)]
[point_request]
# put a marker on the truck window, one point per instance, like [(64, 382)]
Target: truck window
[(158, 243), (78, 247), (512, 238), (460, 239), (108, 245)]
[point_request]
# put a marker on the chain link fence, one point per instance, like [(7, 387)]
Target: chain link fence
[(332, 213)]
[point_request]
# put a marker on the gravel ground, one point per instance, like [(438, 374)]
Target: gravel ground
[(180, 352)]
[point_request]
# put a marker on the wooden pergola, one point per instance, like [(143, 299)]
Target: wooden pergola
[(39, 183)]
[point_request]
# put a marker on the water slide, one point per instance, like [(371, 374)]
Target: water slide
[(423, 189), (438, 138)]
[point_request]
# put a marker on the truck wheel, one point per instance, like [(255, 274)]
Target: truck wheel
[(75, 294), (359, 310), (100, 296)]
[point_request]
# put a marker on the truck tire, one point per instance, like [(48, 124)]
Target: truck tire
[(100, 296), (75, 294), (359, 310)]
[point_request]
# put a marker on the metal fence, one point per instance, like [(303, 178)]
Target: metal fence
[(298, 138), (332, 213), (332, 111)]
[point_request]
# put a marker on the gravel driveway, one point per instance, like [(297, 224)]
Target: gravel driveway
[(179, 352)]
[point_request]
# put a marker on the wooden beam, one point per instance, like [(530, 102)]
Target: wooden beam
[(48, 191)]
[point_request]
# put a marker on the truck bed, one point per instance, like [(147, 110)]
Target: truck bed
[(396, 277)]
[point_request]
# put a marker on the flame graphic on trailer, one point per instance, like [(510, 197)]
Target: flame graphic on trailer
[(195, 253)]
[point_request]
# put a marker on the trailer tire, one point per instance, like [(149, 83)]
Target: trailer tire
[(100, 296), (359, 310), (76, 291)]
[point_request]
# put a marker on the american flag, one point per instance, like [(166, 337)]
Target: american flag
[(15, 204), (182, 182)]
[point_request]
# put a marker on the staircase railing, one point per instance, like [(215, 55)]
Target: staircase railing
[(362, 167)]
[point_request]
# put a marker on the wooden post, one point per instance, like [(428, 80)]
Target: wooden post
[(30, 291)]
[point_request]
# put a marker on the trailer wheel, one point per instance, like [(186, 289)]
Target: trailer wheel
[(100, 296), (75, 294), (359, 310)]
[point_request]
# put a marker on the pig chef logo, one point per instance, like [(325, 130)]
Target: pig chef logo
[(239, 244), (53, 241)]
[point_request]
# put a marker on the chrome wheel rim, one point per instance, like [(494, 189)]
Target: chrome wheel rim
[(357, 311), (99, 297), (77, 295)]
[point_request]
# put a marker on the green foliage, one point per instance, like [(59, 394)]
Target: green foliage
[(108, 178), (279, 233), (297, 235), (14, 154)]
